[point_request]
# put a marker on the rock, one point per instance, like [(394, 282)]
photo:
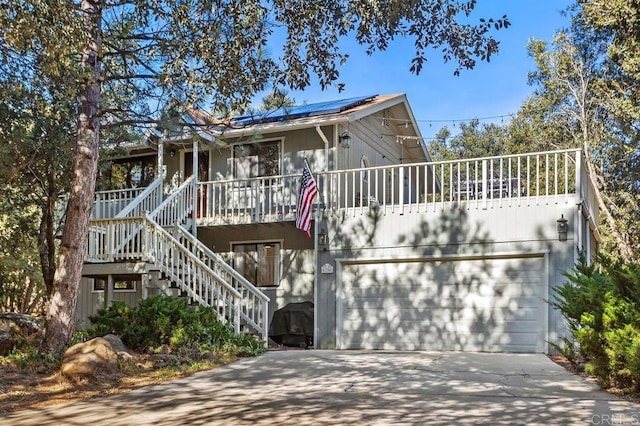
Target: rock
[(16, 327), (117, 345), (89, 359)]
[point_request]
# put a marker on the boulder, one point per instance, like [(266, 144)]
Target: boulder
[(89, 359), (117, 345), (16, 327)]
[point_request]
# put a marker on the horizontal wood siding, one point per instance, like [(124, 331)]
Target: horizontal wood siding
[(89, 302), (296, 256)]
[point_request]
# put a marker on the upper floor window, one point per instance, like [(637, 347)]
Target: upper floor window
[(136, 172), (252, 160)]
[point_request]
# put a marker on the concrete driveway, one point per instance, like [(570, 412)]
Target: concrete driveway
[(357, 387)]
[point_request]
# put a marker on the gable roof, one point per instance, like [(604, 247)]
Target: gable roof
[(301, 116)]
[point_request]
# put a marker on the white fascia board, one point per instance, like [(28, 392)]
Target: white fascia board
[(372, 109), (280, 126)]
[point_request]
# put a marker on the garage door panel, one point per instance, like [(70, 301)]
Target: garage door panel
[(480, 303), (486, 304)]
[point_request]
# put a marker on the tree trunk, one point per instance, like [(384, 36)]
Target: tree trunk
[(60, 319), (46, 236)]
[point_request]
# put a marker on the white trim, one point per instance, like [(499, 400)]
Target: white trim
[(342, 262), (182, 153), (315, 282), (267, 240), (547, 289), (436, 258)]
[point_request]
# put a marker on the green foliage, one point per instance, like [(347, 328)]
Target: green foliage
[(30, 358), (162, 320), (22, 288), (601, 304)]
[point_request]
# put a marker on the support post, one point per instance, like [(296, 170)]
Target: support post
[(194, 226), (160, 164), (108, 291)]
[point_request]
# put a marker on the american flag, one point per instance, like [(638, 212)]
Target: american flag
[(308, 192)]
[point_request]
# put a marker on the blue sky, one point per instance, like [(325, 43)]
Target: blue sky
[(491, 89)]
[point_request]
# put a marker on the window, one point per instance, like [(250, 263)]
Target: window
[(128, 173), (120, 283), (256, 159), (258, 262)]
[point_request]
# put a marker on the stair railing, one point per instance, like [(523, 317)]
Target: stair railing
[(147, 200), (177, 206), (254, 304), (199, 281)]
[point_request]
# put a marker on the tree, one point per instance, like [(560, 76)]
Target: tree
[(277, 99), (616, 25), (163, 52), (473, 141), (574, 81)]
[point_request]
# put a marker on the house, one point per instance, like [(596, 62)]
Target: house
[(405, 253)]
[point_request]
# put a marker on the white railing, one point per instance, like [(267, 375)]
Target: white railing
[(478, 183), (584, 185), (108, 204), (177, 206), (264, 199), (152, 243), (201, 284), (115, 239), (146, 200), (254, 304)]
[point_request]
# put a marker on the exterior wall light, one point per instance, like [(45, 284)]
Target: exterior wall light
[(562, 226), (345, 140), (322, 239)]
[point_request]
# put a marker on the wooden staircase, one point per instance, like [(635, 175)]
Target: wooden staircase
[(160, 238)]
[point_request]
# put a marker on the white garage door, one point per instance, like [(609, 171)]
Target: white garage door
[(495, 305)]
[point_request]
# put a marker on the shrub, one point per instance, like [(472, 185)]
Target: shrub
[(167, 321), (601, 304), (29, 357)]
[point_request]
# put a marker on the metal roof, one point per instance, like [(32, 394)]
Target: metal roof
[(299, 111)]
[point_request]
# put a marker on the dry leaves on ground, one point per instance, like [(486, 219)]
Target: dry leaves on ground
[(22, 389)]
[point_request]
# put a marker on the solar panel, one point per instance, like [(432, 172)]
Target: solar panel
[(299, 111)]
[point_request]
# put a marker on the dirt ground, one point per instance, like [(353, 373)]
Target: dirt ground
[(22, 389)]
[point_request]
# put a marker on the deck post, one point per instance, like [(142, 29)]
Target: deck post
[(108, 291), (194, 227), (578, 213), (401, 189), (160, 164), (485, 190)]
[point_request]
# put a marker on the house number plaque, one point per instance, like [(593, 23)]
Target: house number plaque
[(326, 269)]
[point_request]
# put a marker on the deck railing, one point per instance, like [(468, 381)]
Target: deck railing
[(153, 243), (109, 203), (264, 199), (478, 183)]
